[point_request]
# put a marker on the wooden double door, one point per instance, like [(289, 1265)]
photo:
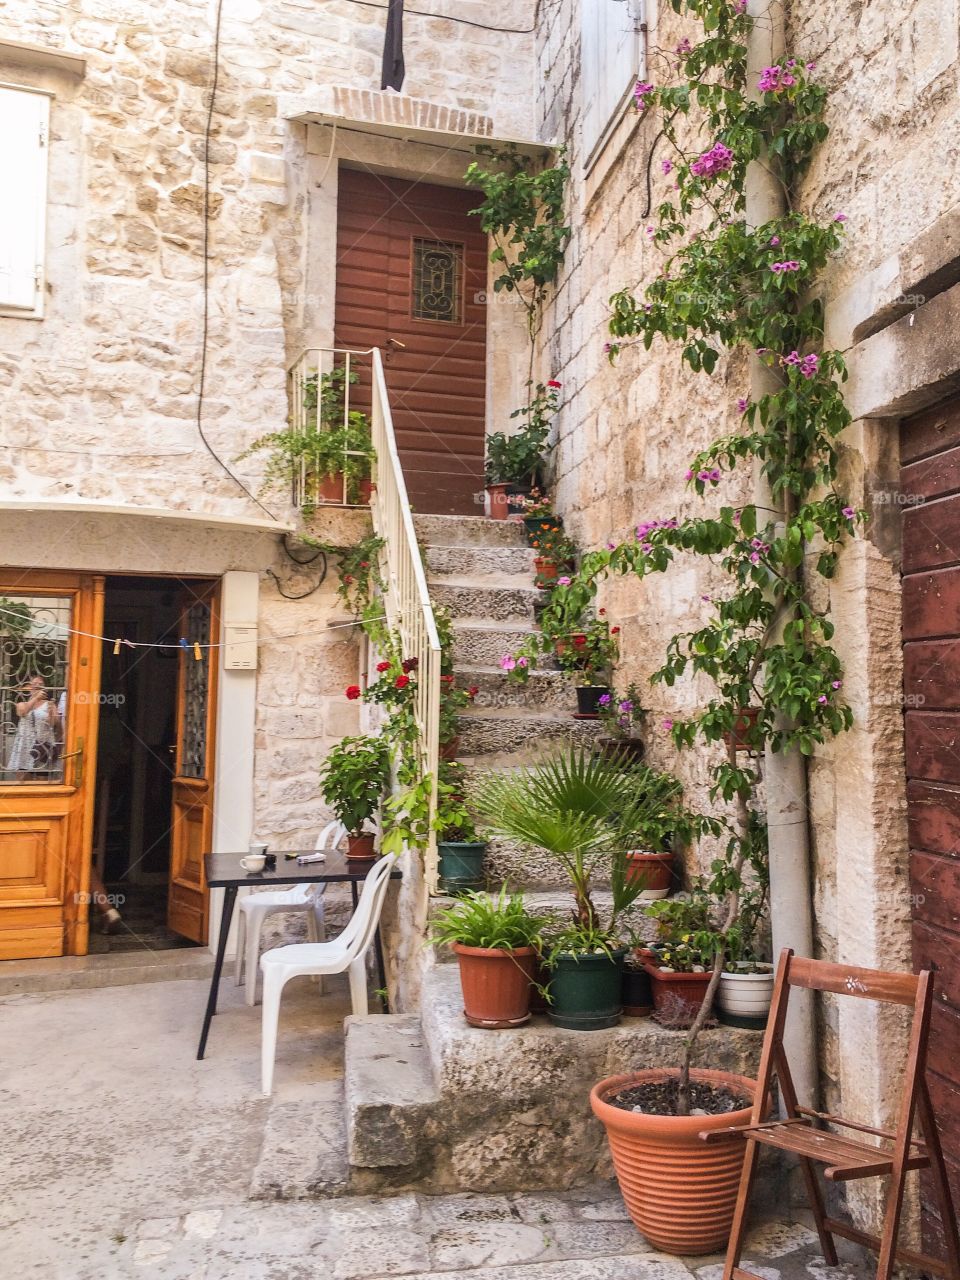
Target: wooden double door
[(51, 659), (411, 280), (930, 497)]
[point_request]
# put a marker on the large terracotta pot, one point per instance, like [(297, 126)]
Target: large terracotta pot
[(496, 985), (679, 1190)]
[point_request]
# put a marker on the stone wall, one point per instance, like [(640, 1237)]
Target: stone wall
[(626, 434), (100, 397)]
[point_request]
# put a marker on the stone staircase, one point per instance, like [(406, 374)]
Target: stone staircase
[(429, 1102)]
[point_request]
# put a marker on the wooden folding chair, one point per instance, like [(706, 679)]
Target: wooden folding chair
[(846, 1159)]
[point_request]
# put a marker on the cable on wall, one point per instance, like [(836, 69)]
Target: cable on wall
[(448, 17), (205, 332)]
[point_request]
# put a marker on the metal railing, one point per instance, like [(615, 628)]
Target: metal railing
[(319, 406), (406, 598)]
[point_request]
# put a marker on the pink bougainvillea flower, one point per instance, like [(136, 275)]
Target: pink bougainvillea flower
[(839, 217), (743, 404), (688, 474), (508, 662), (683, 46), (666, 166), (564, 581), (774, 240), (641, 93), (823, 698), (521, 662), (611, 546), (668, 725), (715, 161), (836, 684), (849, 512)]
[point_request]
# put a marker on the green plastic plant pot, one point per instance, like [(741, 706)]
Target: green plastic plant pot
[(461, 865), (535, 525), (586, 991)]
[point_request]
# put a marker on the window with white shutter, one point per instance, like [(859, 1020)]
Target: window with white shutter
[(611, 57), (24, 116)]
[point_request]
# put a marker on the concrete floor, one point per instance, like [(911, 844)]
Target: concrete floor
[(124, 1157)]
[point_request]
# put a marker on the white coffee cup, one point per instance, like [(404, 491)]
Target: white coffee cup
[(253, 862)]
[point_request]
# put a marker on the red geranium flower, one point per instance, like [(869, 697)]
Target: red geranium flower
[(614, 631), (579, 641), (347, 577), (401, 682), (473, 690), (446, 679), (602, 612), (383, 666), (554, 383), (410, 664), (353, 692), (364, 564)]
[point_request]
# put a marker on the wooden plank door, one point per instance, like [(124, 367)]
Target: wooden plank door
[(49, 686), (930, 497), (411, 280), (191, 819)]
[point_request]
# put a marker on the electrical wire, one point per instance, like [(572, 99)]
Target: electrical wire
[(448, 17), (205, 335)]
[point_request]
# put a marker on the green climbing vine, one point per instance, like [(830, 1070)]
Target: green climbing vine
[(722, 286)]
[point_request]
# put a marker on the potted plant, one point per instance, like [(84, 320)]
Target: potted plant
[(746, 984), (658, 822), (330, 458), (538, 513), (592, 661), (554, 555), (460, 851), (576, 806), (514, 463), (354, 777), (496, 942), (453, 702), (636, 991), (622, 716)]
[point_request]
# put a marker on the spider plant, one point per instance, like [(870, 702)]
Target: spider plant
[(482, 920)]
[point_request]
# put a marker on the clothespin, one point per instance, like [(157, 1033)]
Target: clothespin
[(116, 646), (196, 651), (183, 644)]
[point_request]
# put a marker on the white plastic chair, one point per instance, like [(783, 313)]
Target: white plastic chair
[(255, 907), (348, 951)]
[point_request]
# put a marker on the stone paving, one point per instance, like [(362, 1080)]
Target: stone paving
[(126, 1159)]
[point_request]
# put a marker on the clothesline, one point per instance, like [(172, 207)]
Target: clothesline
[(190, 646)]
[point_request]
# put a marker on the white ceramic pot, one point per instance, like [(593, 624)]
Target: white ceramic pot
[(747, 995)]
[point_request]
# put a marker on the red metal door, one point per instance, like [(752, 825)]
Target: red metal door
[(411, 279), (930, 494)]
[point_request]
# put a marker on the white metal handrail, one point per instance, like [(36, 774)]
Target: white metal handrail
[(407, 605)]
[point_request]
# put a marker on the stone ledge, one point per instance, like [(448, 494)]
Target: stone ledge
[(24, 54)]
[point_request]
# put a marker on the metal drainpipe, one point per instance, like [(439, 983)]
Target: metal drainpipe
[(785, 773)]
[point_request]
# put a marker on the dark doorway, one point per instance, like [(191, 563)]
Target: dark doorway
[(135, 763)]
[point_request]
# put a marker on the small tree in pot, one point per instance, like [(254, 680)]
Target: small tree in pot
[(354, 778)]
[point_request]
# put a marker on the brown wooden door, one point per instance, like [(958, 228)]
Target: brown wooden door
[(191, 819), (411, 280), (930, 497), (49, 683)]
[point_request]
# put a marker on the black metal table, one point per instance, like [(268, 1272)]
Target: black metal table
[(223, 871)]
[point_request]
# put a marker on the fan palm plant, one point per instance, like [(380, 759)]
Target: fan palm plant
[(579, 807)]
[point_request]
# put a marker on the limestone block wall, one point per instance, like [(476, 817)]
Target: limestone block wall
[(99, 398), (626, 432)]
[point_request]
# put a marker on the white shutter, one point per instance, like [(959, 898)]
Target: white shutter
[(610, 54), (23, 165)]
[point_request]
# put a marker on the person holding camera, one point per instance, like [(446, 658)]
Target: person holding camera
[(36, 743)]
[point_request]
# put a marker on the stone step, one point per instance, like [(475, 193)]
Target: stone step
[(545, 690), (389, 1091), (109, 969), (304, 1150), (511, 730), (469, 531), (477, 644), (481, 562), (513, 605)]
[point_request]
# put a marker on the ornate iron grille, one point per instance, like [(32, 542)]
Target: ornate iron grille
[(193, 730), (437, 277), (34, 641)]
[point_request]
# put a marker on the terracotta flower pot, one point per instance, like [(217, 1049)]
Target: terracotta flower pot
[(677, 997), (496, 985), (679, 1190), (547, 570), (654, 869), (367, 490), (360, 848), (330, 488), (497, 501), (742, 727)]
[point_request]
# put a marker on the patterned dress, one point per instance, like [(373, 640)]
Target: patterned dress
[(36, 726)]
